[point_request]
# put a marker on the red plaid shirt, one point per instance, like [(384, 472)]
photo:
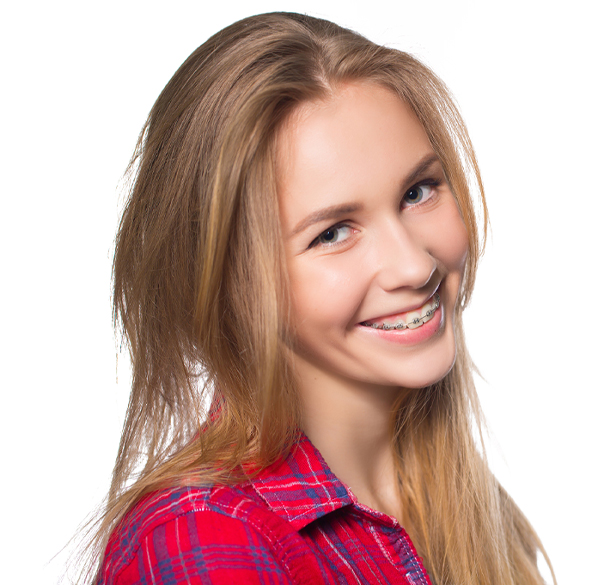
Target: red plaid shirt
[(295, 523)]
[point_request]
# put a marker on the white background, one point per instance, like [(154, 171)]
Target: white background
[(79, 79)]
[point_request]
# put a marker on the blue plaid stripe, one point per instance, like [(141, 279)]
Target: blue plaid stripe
[(305, 488), (293, 523)]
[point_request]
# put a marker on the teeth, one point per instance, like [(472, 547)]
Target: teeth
[(414, 319), (399, 324), (427, 312)]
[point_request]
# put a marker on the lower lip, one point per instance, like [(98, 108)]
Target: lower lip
[(409, 336)]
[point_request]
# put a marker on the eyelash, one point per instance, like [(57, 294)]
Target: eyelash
[(318, 242), (425, 183)]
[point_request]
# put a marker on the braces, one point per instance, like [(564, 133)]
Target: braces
[(415, 321)]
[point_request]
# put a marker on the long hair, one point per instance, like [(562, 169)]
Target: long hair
[(201, 294)]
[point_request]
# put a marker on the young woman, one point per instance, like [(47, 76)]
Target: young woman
[(290, 273)]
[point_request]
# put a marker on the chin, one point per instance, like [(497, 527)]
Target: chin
[(426, 376), (424, 366)]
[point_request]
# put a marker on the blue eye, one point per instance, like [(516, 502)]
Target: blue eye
[(333, 235), (417, 194)]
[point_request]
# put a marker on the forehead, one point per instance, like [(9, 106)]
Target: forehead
[(361, 140)]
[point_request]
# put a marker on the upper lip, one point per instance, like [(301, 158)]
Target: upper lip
[(414, 306)]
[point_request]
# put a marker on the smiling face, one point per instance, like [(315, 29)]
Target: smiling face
[(374, 241)]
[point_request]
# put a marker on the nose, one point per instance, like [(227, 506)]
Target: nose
[(402, 258)]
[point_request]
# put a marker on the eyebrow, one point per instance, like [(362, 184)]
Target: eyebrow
[(421, 169), (326, 214), (337, 211)]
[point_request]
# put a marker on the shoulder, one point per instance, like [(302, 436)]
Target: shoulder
[(214, 534)]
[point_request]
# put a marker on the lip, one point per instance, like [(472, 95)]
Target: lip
[(408, 336), (402, 313)]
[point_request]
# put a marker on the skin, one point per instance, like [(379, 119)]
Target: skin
[(364, 240)]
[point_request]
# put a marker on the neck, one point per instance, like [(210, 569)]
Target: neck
[(351, 425)]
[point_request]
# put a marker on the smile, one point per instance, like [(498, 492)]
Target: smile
[(412, 319)]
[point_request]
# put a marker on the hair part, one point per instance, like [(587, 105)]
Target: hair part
[(201, 293)]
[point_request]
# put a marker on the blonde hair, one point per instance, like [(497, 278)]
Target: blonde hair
[(201, 293)]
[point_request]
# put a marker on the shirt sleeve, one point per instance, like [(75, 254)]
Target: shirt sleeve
[(204, 547)]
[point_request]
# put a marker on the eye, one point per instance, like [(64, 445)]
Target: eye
[(334, 235), (417, 194)]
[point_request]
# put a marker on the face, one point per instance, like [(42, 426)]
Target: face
[(374, 241)]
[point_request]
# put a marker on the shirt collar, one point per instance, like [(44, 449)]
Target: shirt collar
[(301, 487)]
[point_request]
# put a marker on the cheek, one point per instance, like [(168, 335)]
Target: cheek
[(324, 293), (451, 241)]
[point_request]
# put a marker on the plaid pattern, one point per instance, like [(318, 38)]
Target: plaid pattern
[(295, 523)]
